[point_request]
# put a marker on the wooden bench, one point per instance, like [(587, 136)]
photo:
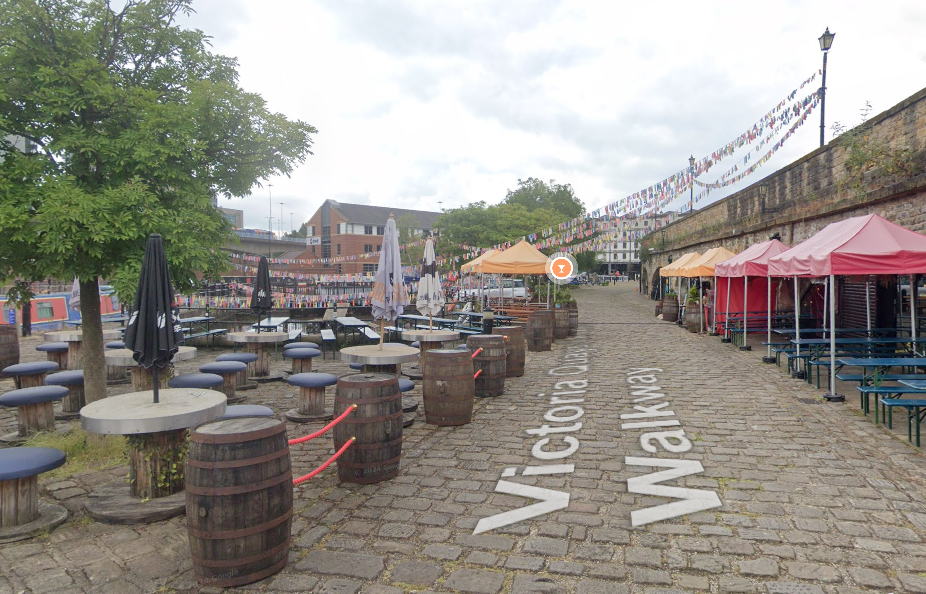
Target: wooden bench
[(916, 411), (865, 391), (890, 377), (328, 341), (211, 334), (521, 312)]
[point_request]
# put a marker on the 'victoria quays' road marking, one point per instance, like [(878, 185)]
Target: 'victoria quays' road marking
[(555, 444), (643, 386)]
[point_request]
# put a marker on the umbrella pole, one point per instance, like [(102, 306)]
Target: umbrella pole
[(430, 322), (382, 329), (726, 316), (155, 385), (797, 323), (868, 304), (832, 301)]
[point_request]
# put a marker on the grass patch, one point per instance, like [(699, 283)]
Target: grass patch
[(85, 451)]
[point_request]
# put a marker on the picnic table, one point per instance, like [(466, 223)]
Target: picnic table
[(271, 324), (879, 366), (352, 324), (817, 349), (142, 379), (439, 322), (386, 358)]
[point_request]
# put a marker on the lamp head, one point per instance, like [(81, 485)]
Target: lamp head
[(763, 189), (826, 40), (691, 161)]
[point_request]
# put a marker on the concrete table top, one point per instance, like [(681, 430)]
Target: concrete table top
[(130, 414), (78, 335), (391, 353), (258, 336), (430, 335), (124, 356)]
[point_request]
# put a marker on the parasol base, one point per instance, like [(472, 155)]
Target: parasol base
[(297, 417), (834, 397), (114, 504), (726, 340), (409, 404), (768, 359), (746, 348), (266, 379), (408, 419)]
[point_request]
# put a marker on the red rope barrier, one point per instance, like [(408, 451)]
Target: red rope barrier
[(303, 479), (324, 429), (479, 350), (477, 374)]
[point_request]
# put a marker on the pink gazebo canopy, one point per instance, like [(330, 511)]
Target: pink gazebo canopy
[(753, 261), (868, 244)]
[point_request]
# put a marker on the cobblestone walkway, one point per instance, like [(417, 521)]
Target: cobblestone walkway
[(814, 497)]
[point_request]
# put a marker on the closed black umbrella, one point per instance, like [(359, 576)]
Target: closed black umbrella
[(154, 332), (262, 298)]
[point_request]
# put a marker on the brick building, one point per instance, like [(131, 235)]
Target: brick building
[(342, 229)]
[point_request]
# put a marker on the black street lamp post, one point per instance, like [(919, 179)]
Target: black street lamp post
[(826, 42)]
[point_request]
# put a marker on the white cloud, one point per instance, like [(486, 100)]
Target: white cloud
[(419, 102)]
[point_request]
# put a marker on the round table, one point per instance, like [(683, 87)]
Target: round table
[(385, 358), (255, 342), (157, 432), (142, 379), (74, 338), (430, 339)]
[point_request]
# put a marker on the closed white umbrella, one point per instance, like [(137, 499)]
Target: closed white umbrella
[(74, 301), (389, 296), (430, 294)]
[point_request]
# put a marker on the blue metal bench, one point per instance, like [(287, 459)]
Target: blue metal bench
[(916, 411), (865, 391)]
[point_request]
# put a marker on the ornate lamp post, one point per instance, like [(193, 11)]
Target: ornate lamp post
[(826, 42)]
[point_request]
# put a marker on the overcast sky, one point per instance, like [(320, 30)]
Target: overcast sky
[(418, 103)]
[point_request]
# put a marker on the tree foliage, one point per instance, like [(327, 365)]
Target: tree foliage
[(136, 128), (534, 194)]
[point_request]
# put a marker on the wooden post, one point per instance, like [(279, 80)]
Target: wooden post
[(156, 463), (142, 380), (36, 417), (262, 365), (312, 401), (19, 501)]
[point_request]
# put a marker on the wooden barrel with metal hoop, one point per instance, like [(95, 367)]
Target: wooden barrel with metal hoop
[(239, 500), (448, 387), (670, 309), (573, 320), (560, 323), (540, 330), (514, 346), (491, 360), (376, 423)]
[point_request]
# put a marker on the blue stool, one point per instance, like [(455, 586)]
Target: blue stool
[(19, 492), (302, 359), (416, 344), (311, 397), (242, 357), (299, 345), (406, 385), (409, 404), (75, 400), (237, 411), (30, 375), (35, 410), (196, 380), (116, 344), (356, 366), (228, 370), (56, 352)]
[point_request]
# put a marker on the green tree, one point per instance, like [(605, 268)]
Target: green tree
[(137, 128), (302, 231), (587, 261), (533, 194)]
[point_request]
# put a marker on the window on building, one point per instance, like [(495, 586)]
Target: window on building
[(44, 311), (339, 269), (313, 250), (367, 248), (368, 229), (369, 268), (339, 248), (380, 230), (310, 230), (326, 231)]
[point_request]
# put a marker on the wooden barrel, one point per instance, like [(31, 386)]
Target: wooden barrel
[(658, 308), (693, 317), (514, 346), (376, 423), (9, 346), (491, 360), (239, 500), (448, 387), (540, 330), (560, 323), (670, 309), (573, 321)]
